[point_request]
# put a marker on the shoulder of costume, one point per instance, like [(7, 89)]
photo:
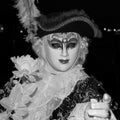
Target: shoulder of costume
[(89, 88), (92, 88)]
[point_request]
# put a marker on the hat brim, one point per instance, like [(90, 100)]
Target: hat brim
[(72, 21), (81, 25)]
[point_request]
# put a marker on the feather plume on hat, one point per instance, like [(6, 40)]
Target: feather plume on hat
[(27, 12)]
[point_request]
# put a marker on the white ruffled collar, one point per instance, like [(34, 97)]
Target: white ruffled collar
[(64, 82), (72, 75)]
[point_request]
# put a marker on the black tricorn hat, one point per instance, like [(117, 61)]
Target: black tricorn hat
[(38, 24), (70, 21)]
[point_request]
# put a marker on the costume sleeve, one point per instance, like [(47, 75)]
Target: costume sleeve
[(92, 88), (83, 91)]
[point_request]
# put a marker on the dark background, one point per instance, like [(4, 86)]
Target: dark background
[(103, 58)]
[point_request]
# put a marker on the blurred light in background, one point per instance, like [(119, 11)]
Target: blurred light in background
[(1, 28), (114, 30)]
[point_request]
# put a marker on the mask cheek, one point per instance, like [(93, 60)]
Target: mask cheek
[(75, 56), (51, 56)]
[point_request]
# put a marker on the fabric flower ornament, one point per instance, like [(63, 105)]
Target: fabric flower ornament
[(26, 64)]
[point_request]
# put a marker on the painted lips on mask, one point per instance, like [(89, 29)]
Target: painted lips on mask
[(64, 61)]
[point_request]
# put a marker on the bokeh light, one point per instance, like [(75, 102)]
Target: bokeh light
[(1, 28)]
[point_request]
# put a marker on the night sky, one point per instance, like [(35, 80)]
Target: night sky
[(101, 11), (103, 58)]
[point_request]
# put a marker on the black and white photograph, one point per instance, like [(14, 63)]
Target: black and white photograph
[(60, 60)]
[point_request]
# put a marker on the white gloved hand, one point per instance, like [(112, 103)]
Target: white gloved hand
[(99, 110)]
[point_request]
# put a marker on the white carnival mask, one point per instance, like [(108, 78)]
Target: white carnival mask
[(61, 50)]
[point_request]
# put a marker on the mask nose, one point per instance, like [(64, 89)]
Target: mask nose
[(64, 52)]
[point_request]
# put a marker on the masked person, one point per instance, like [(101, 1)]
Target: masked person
[(55, 85)]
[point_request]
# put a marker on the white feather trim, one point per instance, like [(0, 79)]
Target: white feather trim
[(27, 12)]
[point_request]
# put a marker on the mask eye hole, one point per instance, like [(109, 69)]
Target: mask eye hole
[(71, 45), (55, 45)]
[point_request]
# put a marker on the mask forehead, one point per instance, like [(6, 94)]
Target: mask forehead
[(63, 36)]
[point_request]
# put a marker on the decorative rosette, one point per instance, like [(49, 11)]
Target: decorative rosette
[(26, 65)]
